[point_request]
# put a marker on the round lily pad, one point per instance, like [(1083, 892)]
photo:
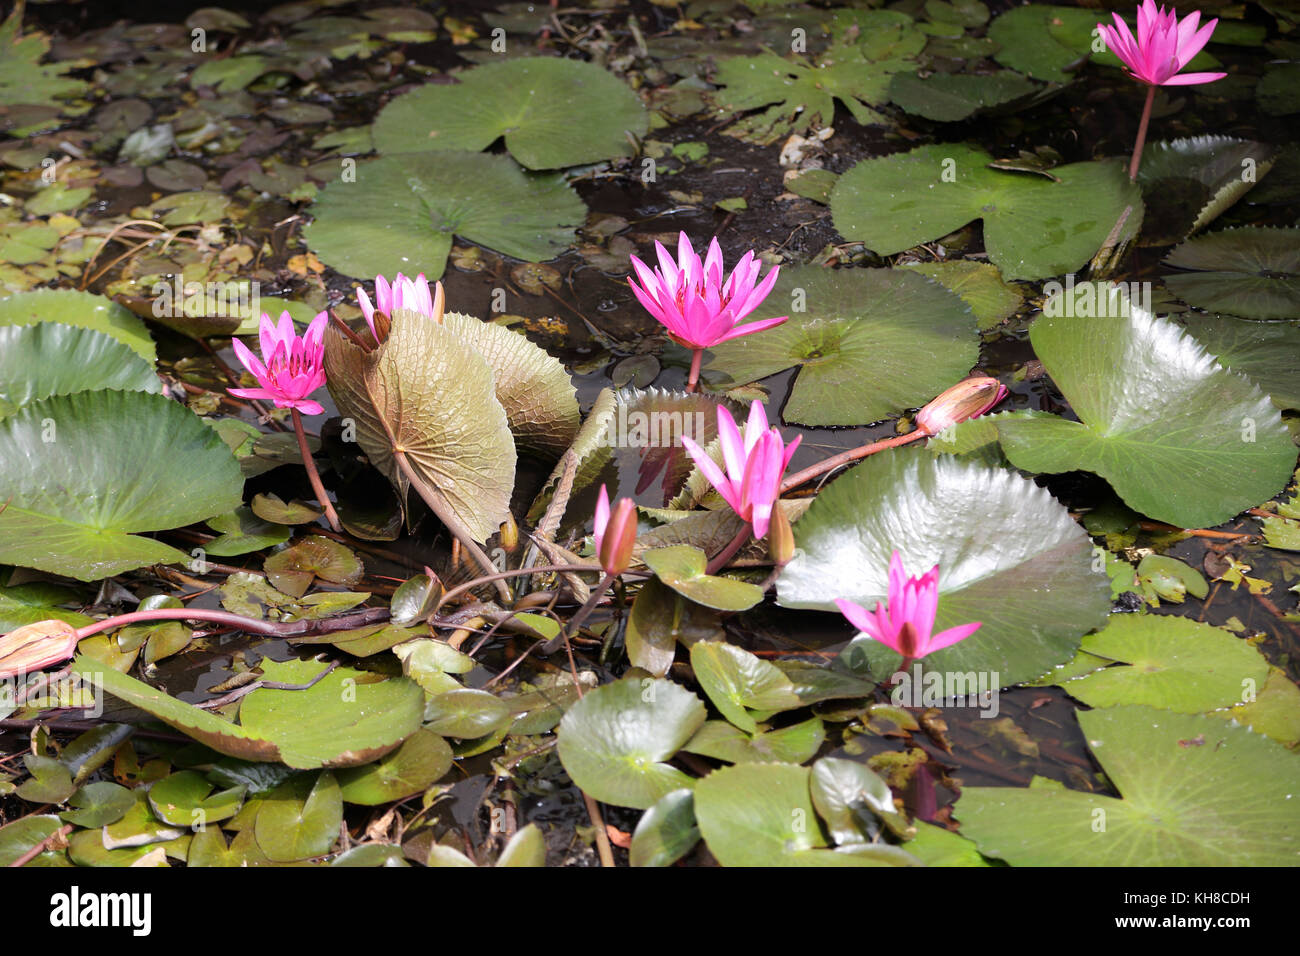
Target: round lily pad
[(868, 343), (82, 309), (552, 112), (1267, 353), (1180, 438), (1194, 791), (614, 741), (1009, 556), (402, 212), (37, 361), (1253, 272), (949, 97), (1034, 227)]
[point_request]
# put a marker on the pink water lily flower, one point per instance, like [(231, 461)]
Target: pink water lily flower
[(404, 293), (1162, 47), (294, 367), (906, 625), (693, 302), (755, 464)]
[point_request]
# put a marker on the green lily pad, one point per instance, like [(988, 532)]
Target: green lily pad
[(403, 210), (1188, 183), (1274, 711), (979, 285), (98, 804), (429, 394), (50, 780), (293, 569), (340, 721), (532, 386), (466, 713), (935, 846), (660, 618), (1172, 663), (848, 796), (666, 832), (552, 112), (412, 768), (37, 601), (25, 833), (1017, 562), (761, 814), (81, 309), (270, 507), (1178, 437), (241, 532), (682, 569), (130, 462), (1253, 272), (23, 78), (300, 818), (1033, 227), (1194, 792), (614, 741), (1276, 89), (910, 337), (722, 741), (737, 682), (1266, 353), (185, 799), (949, 97), (798, 93)]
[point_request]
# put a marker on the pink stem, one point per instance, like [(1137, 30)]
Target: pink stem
[(844, 457), (1142, 135), (694, 377), (729, 552), (312, 475)]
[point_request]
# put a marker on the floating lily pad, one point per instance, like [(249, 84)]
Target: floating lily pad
[(81, 309), (23, 78), (1017, 563), (531, 385), (798, 94), (293, 569), (666, 832), (1276, 89), (1194, 792), (466, 713), (552, 112), (270, 507), (660, 618), (1171, 663), (761, 814), (849, 795), (738, 682), (340, 721), (402, 212), (682, 568), (614, 741), (723, 741), (98, 804), (979, 285), (431, 395), (949, 97), (300, 818), (422, 759), (1179, 438), (129, 462), (1033, 227), (242, 532), (185, 799), (37, 601), (1266, 353), (906, 335), (1188, 183), (1253, 272)]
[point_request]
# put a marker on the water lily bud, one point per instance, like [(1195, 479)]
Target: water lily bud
[(780, 537), (509, 534), (36, 646), (965, 400), (615, 533)]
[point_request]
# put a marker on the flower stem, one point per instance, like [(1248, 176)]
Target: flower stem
[(517, 572), (726, 554), (249, 624), (1142, 135), (844, 457), (314, 476), (694, 377)]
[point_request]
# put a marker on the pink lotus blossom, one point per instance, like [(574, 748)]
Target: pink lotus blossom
[(755, 464), (615, 536), (1162, 47), (404, 293), (906, 625), (697, 308), (294, 366)]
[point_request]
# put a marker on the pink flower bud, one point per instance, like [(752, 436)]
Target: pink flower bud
[(615, 534), (36, 646), (965, 400)]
